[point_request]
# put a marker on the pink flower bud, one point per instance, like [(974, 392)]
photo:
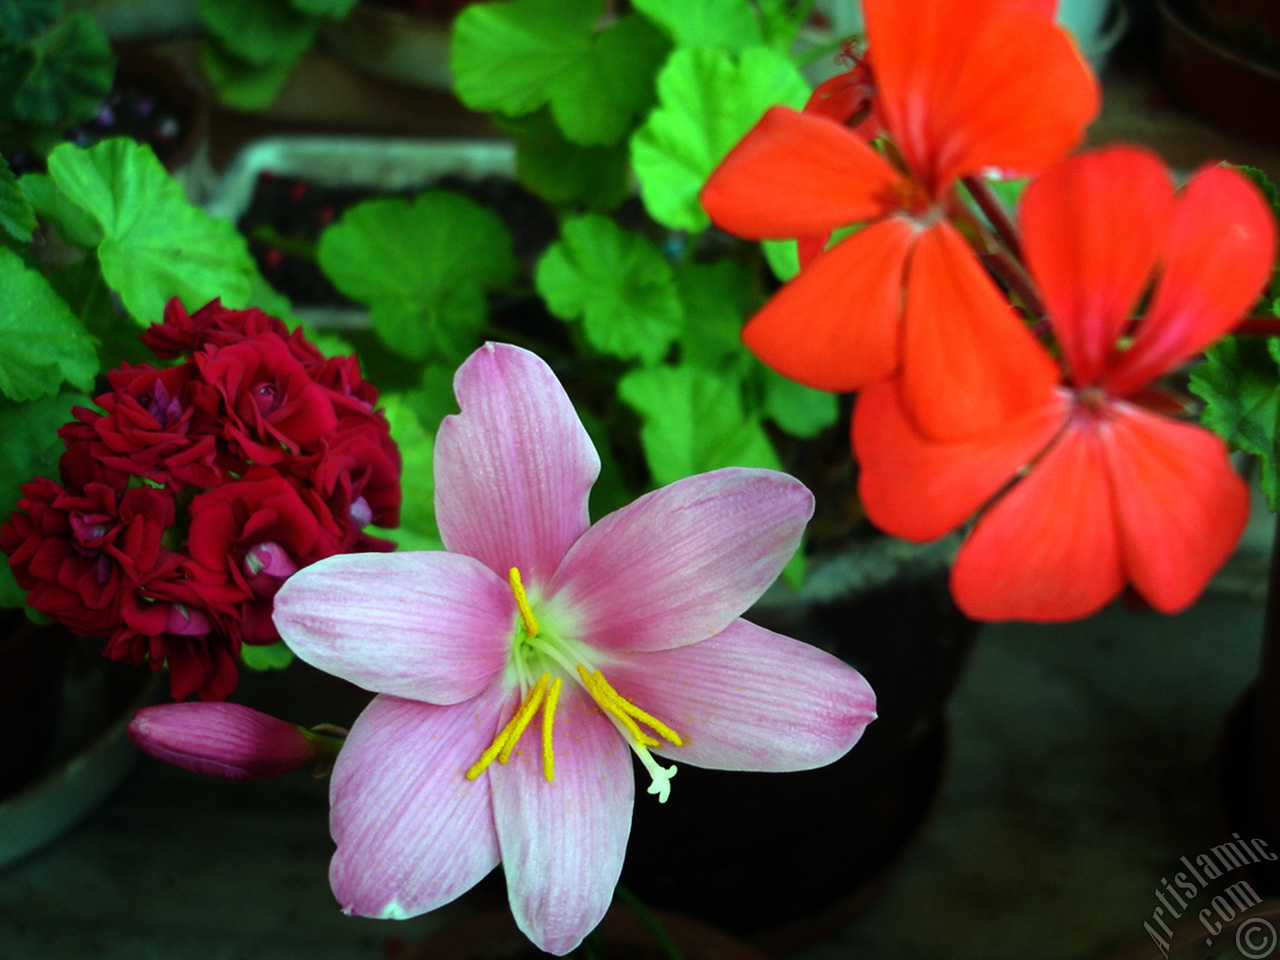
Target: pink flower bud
[(222, 740)]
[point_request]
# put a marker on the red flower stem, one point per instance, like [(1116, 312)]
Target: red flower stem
[(996, 215), (1260, 326), (1010, 273)]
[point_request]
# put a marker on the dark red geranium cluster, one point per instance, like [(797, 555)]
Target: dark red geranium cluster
[(188, 498)]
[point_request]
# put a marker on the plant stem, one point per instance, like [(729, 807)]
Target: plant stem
[(996, 215), (650, 921), (1011, 273)]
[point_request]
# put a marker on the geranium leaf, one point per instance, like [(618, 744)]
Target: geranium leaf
[(16, 214), (155, 245), (73, 224), (239, 83), (727, 24), (260, 31), (707, 100), (422, 266), (716, 297), (71, 74), (29, 448), (21, 20), (617, 283), (561, 172), (1239, 382), (272, 656), (334, 9), (518, 56), (42, 344), (797, 409), (417, 510), (693, 421)]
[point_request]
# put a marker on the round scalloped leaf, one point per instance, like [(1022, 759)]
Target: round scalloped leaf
[(155, 245), (70, 77), (618, 283), (707, 100), (260, 31), (42, 344)]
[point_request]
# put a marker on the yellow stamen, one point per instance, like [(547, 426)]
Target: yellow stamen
[(509, 736), (626, 711), (522, 602), (548, 718)]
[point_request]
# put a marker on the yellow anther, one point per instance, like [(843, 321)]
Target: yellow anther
[(548, 718), (626, 712), (509, 736), (522, 602)]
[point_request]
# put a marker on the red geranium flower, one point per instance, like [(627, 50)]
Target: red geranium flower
[(960, 86), (1096, 487), (214, 325)]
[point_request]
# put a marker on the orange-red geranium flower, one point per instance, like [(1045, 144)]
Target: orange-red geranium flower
[(1096, 487), (960, 86)]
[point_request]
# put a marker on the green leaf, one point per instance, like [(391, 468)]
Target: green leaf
[(725, 24), (716, 297), (29, 448), (240, 84), (73, 224), (422, 266), (16, 214), (693, 421), (707, 100), (23, 20), (517, 56), (260, 31), (797, 409), (783, 257), (562, 172), (333, 9), (433, 399), (71, 76), (273, 656), (155, 245), (417, 482), (618, 283), (1239, 381), (42, 344)]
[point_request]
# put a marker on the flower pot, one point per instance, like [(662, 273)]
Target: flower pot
[(65, 710), (621, 936), (1232, 89)]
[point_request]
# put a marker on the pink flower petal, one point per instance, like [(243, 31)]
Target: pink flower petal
[(1182, 508), (1048, 550), (412, 832), (514, 469), (749, 699), (429, 626), (563, 841), (679, 564)]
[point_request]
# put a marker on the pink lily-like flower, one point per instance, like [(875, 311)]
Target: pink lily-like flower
[(516, 671)]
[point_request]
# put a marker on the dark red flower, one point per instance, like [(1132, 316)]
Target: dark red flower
[(272, 405), (214, 325)]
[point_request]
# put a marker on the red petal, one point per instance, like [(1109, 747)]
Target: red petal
[(920, 489), (969, 365), (964, 86), (835, 326), (1217, 257), (1181, 507), (1092, 229), (796, 174), (1048, 550)]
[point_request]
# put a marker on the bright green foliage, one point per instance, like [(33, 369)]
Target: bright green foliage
[(260, 31), (797, 409), (716, 298), (154, 244), (241, 84), (17, 218), (725, 24), (417, 528), (422, 266), (561, 172), (70, 72), (694, 421), (518, 56), (42, 344), (272, 656), (783, 258), (1240, 384), (73, 224), (29, 448), (707, 100), (618, 283)]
